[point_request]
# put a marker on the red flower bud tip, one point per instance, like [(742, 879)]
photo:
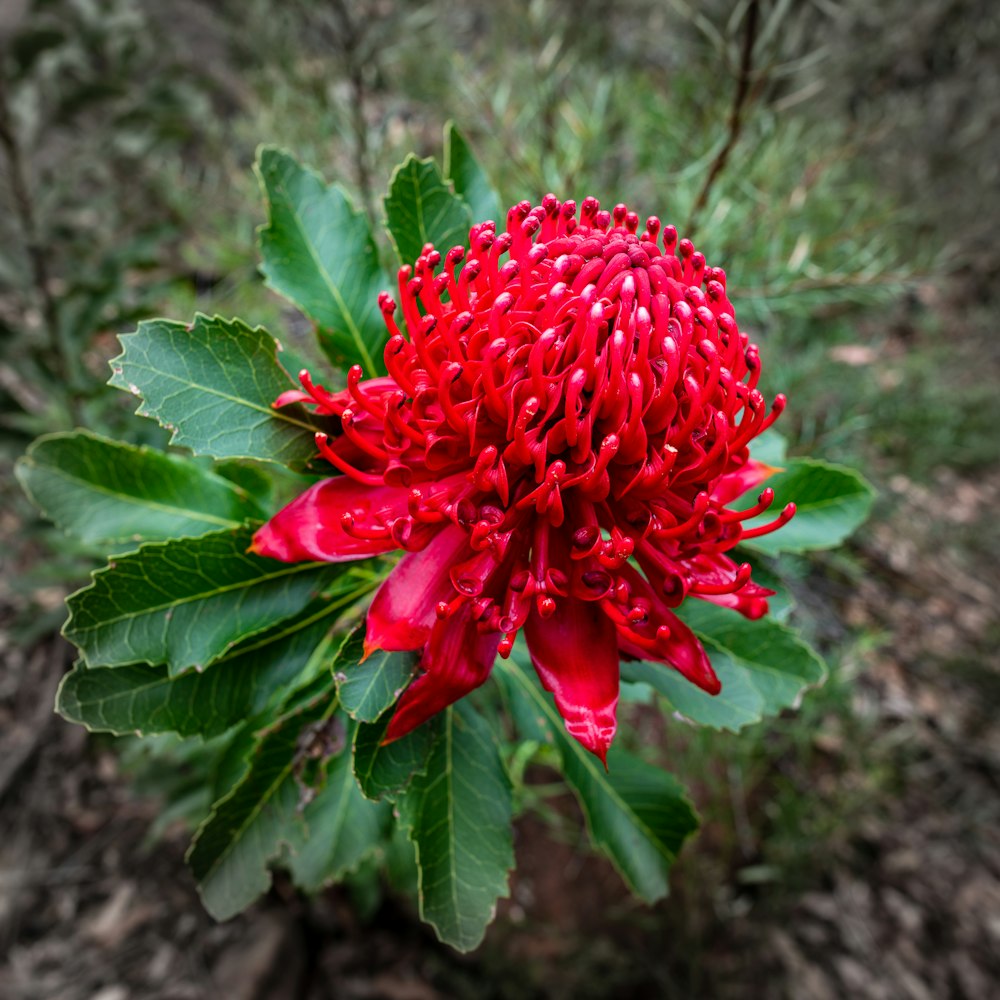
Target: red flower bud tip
[(563, 421)]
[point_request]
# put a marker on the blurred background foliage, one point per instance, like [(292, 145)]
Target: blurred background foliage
[(839, 158)]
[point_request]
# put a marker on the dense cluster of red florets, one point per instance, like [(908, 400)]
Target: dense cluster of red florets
[(566, 414)]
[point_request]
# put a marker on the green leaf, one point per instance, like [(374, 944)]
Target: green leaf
[(106, 492), (343, 827), (212, 385), (763, 666), (367, 689), (421, 208), (250, 479), (738, 704), (147, 700), (458, 816), (769, 448), (831, 502), (317, 250), (249, 827), (637, 814), (469, 179), (383, 771), (186, 602), (781, 603)]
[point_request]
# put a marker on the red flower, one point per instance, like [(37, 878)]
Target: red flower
[(564, 420)]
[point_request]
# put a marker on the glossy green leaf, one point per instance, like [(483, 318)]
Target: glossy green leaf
[(107, 492), (147, 700), (421, 207), (212, 385), (831, 502), (383, 771), (458, 815), (367, 689), (262, 815), (187, 601), (469, 179), (317, 250), (763, 666), (637, 814), (343, 826)]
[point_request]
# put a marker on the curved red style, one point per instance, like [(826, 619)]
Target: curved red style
[(566, 415)]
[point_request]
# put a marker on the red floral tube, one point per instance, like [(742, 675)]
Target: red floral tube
[(567, 413)]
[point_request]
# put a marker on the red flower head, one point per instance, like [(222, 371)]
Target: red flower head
[(564, 420)]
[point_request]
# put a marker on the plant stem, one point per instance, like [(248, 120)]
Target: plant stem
[(349, 43), (735, 123)]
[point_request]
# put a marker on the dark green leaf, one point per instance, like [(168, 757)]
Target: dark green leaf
[(401, 864), (343, 827), (367, 689), (317, 250), (831, 503), (251, 479), (458, 815), (763, 666), (212, 385), (469, 179), (636, 813), (107, 492), (234, 762), (382, 771), (186, 602), (421, 208), (261, 815), (148, 700)]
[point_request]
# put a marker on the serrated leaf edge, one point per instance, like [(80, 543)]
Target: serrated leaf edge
[(117, 381)]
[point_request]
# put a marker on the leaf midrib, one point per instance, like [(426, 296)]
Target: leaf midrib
[(240, 830), (268, 411), (360, 704), (733, 705), (452, 846), (332, 287), (168, 679), (179, 602), (127, 498), (756, 664)]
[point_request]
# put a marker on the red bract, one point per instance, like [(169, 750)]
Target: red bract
[(564, 420)]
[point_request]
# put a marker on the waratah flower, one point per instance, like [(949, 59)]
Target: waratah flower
[(564, 419)]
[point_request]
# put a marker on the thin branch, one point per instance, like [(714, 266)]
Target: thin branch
[(832, 283), (349, 44), (35, 250), (735, 123)]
